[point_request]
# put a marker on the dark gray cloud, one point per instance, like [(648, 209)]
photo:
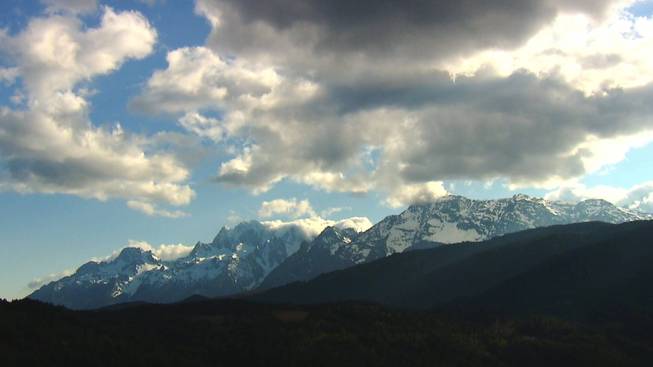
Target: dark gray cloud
[(382, 27), (522, 127), (383, 110)]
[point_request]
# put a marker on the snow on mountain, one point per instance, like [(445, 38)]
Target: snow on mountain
[(268, 254), (449, 219), (324, 252), (454, 219), (97, 284), (237, 259)]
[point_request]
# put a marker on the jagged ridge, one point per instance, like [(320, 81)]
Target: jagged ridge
[(252, 255)]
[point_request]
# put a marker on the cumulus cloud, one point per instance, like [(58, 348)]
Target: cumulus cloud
[(50, 145), (56, 52), (413, 29), (330, 211), (8, 75), (590, 55), (197, 78), (305, 218), (578, 192), (292, 207), (41, 281), (313, 226), (416, 194), (153, 211), (72, 6), (165, 252), (638, 197), (202, 126), (419, 102)]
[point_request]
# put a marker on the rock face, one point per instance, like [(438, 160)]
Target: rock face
[(450, 219), (252, 255)]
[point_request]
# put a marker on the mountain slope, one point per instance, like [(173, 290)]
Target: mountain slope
[(448, 220), (616, 270), (427, 278), (98, 284), (324, 252)]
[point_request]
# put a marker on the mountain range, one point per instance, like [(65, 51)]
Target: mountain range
[(252, 256), (567, 270)]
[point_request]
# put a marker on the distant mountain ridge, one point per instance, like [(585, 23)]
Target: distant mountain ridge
[(238, 259), (450, 219), (568, 270), (252, 255)]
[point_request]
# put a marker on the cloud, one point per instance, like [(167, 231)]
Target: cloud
[(202, 126), (291, 207), (416, 194), (405, 115), (56, 52), (198, 78), (50, 145), (71, 6), (165, 252), (578, 192), (234, 218), (590, 55), (39, 282), (313, 226), (152, 2), (153, 211), (481, 127), (8, 75), (638, 197), (330, 211), (360, 224), (376, 32)]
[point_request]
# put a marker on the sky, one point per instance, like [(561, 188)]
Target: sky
[(156, 122)]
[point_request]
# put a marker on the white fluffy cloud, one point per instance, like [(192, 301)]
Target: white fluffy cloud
[(197, 78), (56, 52), (37, 283), (153, 211), (49, 145), (591, 55), (315, 225), (202, 126), (638, 197), (72, 6), (306, 218), (539, 107), (165, 252), (292, 207), (416, 194)]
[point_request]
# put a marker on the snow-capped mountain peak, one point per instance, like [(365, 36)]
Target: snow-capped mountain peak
[(254, 254), (135, 255)]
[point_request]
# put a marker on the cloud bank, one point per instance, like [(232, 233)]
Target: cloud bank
[(421, 99), (48, 144)]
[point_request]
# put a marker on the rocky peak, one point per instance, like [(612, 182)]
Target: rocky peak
[(136, 256)]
